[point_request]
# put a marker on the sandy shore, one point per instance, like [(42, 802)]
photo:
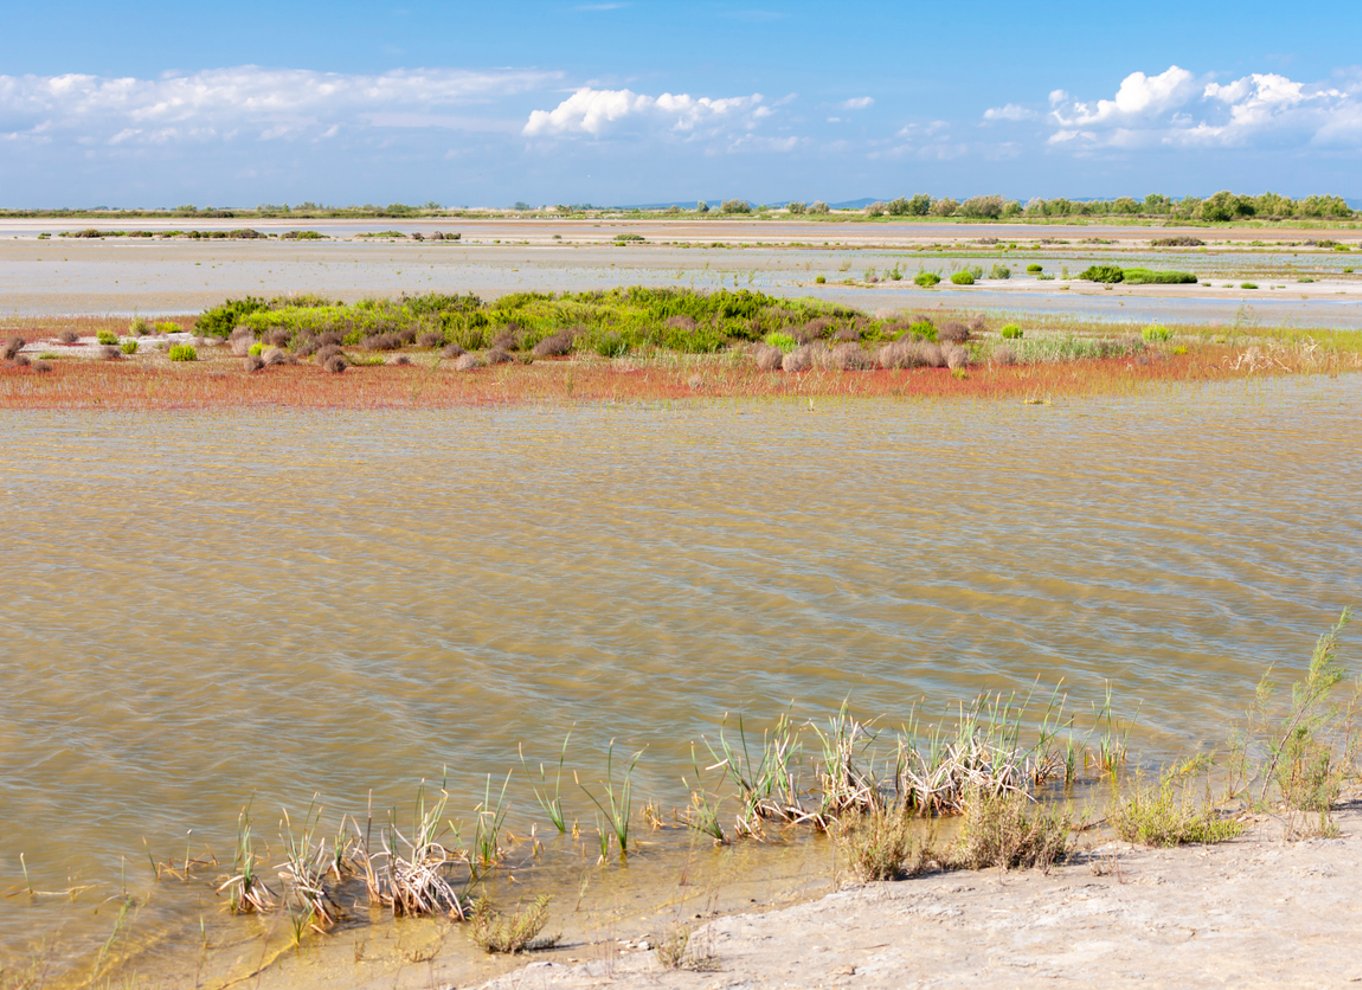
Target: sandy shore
[(1254, 912)]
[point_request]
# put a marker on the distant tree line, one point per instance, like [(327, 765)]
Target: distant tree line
[(1217, 208)]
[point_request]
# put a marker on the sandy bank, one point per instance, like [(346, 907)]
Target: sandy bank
[(1253, 912)]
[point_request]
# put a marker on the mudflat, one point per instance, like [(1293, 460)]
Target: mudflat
[(1255, 912)]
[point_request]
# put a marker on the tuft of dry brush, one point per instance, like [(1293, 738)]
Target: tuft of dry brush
[(799, 359), (886, 844), (12, 348), (555, 345), (908, 353), (519, 931), (1010, 831), (335, 364), (767, 358)]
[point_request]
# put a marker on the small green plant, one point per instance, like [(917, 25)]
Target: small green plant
[(820, 280), (1158, 815), (963, 278), (780, 340), (1000, 271), (167, 326), (1144, 276), (926, 279), (1010, 331), (1034, 269), (615, 801), (182, 352), (256, 349), (628, 238), (507, 934), (1156, 333), (128, 347), (1248, 285), (139, 327), (107, 337), (550, 798)]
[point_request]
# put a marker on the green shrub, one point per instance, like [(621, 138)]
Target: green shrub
[(923, 329), (963, 278), (107, 337), (1103, 273), (221, 320), (183, 352), (1000, 271), (139, 327), (1144, 276), (610, 345), (1156, 333), (1034, 269), (128, 347), (1011, 331), (1248, 285), (926, 279), (735, 206), (780, 340), (821, 280), (628, 238), (168, 326), (256, 349), (1159, 816)]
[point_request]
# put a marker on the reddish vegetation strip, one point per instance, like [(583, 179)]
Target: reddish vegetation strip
[(223, 384)]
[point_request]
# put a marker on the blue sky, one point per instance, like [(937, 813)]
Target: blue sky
[(625, 102)]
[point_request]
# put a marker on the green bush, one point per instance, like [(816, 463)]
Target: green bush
[(1103, 273), (735, 206), (1248, 285), (1011, 332), (963, 278), (1156, 333), (107, 337), (221, 320), (1034, 269), (139, 327), (1000, 271), (128, 347), (183, 352), (926, 279), (923, 329), (821, 280), (1144, 276), (780, 340), (256, 349), (610, 345)]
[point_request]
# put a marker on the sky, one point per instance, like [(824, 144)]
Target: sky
[(638, 101)]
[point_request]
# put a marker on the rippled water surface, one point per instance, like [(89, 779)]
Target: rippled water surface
[(202, 609)]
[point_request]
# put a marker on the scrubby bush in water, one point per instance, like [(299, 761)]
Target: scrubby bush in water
[(1109, 274), (963, 278), (1145, 276), (926, 279)]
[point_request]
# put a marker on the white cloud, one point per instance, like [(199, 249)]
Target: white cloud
[(208, 104), (1010, 112), (858, 103), (1176, 108), (594, 111)]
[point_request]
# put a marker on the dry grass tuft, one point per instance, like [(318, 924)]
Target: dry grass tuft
[(885, 844), (799, 359), (768, 358), (511, 933), (557, 345), (12, 348), (910, 354), (335, 364), (254, 362), (498, 355), (1011, 832)]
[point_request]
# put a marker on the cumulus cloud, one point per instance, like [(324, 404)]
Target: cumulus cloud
[(858, 103), (217, 103), (1179, 109), (593, 112)]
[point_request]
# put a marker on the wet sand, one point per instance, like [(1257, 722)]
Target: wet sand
[(1255, 912)]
